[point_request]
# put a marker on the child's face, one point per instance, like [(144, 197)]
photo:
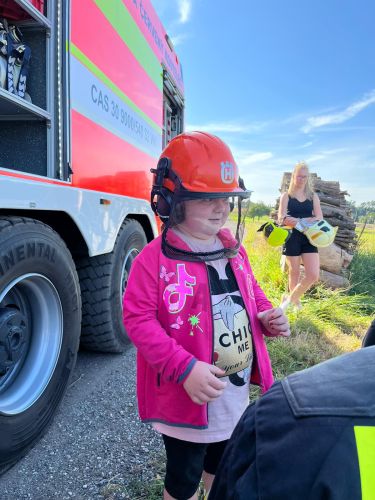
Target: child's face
[(205, 217)]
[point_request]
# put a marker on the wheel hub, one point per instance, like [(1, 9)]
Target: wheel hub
[(14, 344)]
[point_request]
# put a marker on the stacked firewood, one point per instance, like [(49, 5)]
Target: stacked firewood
[(335, 259)]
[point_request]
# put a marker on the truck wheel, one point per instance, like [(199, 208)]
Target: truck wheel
[(40, 315), (103, 280)]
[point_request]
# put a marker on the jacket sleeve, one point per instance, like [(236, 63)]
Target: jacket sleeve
[(140, 315)]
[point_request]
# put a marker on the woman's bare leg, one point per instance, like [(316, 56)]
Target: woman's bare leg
[(293, 271), (311, 265)]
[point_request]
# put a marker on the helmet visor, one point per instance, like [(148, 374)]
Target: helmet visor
[(232, 218)]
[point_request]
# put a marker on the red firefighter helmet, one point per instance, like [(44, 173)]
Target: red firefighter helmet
[(194, 165)]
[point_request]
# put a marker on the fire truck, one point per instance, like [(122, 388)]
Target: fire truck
[(90, 92)]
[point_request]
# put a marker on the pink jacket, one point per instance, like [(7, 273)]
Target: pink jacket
[(167, 314)]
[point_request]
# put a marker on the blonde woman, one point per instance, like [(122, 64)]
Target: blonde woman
[(299, 202)]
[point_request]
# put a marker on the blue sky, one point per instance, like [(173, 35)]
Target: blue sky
[(282, 81)]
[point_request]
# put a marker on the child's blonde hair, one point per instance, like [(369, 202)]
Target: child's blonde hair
[(309, 187)]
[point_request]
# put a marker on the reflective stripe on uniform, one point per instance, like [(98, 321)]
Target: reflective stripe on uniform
[(365, 440)]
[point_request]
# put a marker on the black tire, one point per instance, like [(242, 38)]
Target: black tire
[(40, 315), (103, 281)]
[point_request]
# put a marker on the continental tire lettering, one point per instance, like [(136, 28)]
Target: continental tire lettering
[(8, 260), (22, 252), (30, 249), (40, 247), (46, 251)]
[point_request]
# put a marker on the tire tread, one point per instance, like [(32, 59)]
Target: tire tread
[(95, 280)]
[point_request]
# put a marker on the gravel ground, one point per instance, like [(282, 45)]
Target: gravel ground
[(96, 446)]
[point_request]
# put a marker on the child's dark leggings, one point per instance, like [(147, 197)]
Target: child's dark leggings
[(185, 463)]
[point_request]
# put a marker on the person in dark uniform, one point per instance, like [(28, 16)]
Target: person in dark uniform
[(369, 338), (299, 202), (311, 437)]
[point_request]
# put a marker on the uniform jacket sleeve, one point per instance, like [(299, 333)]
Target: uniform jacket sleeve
[(140, 314)]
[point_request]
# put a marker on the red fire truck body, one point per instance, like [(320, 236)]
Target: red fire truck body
[(104, 94)]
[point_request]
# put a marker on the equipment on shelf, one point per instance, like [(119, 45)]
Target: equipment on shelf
[(3, 54), (15, 57), (10, 10)]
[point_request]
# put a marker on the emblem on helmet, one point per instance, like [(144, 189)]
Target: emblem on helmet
[(227, 172)]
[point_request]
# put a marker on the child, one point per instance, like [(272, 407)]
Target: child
[(196, 314)]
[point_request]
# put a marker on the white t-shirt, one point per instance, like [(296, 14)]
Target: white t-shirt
[(233, 351)]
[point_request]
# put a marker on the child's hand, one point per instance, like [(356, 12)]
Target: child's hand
[(202, 384), (275, 321)]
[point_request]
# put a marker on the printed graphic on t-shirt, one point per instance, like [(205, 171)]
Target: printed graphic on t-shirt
[(232, 331), (175, 294)]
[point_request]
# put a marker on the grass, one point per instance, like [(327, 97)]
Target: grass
[(137, 488), (362, 269), (331, 322)]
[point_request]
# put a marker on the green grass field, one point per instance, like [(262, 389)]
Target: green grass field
[(362, 269), (330, 323)]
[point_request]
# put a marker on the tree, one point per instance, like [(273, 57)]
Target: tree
[(258, 210), (353, 208), (363, 211), (369, 218)]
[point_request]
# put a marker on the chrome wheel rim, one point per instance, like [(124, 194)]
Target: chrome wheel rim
[(31, 334)]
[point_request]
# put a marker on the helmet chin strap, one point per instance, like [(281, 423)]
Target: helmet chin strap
[(176, 253), (238, 220)]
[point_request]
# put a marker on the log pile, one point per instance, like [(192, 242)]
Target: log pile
[(335, 259)]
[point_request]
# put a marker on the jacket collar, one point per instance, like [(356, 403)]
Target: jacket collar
[(342, 386)]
